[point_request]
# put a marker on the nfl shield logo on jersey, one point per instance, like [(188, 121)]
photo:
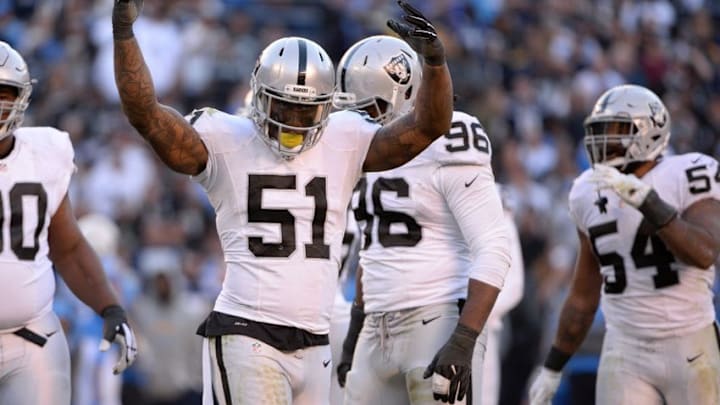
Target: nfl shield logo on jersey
[(398, 69)]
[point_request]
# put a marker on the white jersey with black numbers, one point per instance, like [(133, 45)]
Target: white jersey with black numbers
[(281, 222), (34, 179), (647, 292), (432, 223)]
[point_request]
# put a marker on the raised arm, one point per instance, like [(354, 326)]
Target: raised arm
[(402, 139), (174, 140)]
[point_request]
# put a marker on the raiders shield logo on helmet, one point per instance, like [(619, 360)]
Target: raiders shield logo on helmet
[(399, 69)]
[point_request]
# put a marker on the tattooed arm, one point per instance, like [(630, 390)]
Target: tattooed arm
[(174, 140), (402, 139), (581, 304)]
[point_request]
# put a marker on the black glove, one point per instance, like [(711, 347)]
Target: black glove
[(124, 15), (420, 34), (117, 329), (357, 317), (453, 362)]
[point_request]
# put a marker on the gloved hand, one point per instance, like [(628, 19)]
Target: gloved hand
[(116, 329), (627, 186), (124, 15), (357, 317), (342, 369), (420, 34), (450, 369), (544, 386), (636, 193)]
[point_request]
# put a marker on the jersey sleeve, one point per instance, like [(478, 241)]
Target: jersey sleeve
[(359, 128), (366, 130), (701, 180), (221, 133), (62, 154), (200, 120), (474, 200), (465, 144), (67, 159), (512, 291)]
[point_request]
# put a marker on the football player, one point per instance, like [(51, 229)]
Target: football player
[(280, 181), (38, 231), (649, 230), (435, 238)]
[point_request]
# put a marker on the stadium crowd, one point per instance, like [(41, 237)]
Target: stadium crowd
[(529, 69)]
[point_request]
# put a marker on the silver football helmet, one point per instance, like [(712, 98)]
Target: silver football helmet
[(628, 124), (13, 72), (292, 89), (380, 72)]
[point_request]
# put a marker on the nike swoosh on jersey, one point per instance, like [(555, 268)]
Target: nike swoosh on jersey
[(696, 160), (691, 359), (326, 363), (469, 183), (427, 321), (47, 335)]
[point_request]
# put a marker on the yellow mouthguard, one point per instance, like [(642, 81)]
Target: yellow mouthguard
[(290, 140)]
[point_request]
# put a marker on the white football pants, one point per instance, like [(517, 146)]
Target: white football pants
[(678, 370), (393, 351), (35, 375), (246, 371)]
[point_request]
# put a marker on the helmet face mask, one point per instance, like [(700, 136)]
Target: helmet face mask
[(629, 124), (292, 88), (13, 74), (380, 75), (379, 109), (607, 142)]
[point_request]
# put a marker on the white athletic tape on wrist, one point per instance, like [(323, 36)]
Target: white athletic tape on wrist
[(440, 384)]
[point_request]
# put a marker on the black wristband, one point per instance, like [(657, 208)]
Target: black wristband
[(121, 31), (357, 318), (657, 212), (465, 335), (556, 359), (435, 60), (113, 310)]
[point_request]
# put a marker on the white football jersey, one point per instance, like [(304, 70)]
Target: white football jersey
[(281, 222), (432, 223), (647, 292), (34, 179)]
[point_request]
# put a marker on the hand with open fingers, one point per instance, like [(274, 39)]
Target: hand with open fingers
[(631, 189), (124, 14), (544, 386), (452, 365), (420, 34), (117, 330)]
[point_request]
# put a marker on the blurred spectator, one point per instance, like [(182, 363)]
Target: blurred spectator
[(166, 316)]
